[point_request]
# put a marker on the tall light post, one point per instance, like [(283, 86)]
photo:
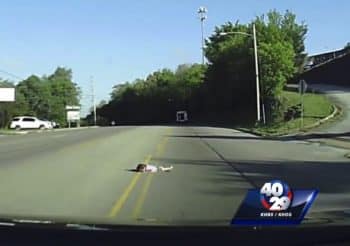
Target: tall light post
[(93, 99), (202, 12), (258, 115)]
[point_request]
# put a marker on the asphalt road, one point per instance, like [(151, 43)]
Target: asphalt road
[(84, 175), (339, 95)]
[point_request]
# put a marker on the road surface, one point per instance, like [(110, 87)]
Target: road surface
[(85, 176), (334, 133), (339, 95)]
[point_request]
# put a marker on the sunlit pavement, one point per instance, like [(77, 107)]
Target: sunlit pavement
[(85, 175), (335, 133), (340, 96)]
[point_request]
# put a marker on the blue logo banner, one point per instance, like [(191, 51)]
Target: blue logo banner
[(274, 204)]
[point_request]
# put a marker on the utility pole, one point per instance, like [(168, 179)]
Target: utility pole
[(258, 115), (93, 99), (202, 12), (256, 75)]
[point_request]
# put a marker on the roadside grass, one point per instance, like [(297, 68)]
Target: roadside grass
[(316, 107)]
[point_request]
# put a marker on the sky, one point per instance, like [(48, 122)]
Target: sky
[(116, 41)]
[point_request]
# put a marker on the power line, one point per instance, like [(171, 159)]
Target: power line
[(11, 74)]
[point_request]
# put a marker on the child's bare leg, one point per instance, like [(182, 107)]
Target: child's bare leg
[(165, 169)]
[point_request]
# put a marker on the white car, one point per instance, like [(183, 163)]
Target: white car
[(29, 122)]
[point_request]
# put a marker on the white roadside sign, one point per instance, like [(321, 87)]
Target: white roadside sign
[(73, 115), (7, 94)]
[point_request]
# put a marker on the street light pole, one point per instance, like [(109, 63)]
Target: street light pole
[(258, 114), (93, 99), (256, 75), (202, 42), (202, 11)]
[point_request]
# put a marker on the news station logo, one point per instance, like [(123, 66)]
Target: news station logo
[(275, 203)]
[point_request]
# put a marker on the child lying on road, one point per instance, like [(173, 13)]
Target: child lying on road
[(152, 169)]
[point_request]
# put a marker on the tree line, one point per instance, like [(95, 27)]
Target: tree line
[(156, 98), (44, 97), (224, 88)]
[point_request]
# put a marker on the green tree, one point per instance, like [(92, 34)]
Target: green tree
[(63, 92), (189, 79), (62, 86), (101, 103), (44, 97), (118, 91), (291, 31), (156, 98), (62, 73), (37, 95), (230, 76)]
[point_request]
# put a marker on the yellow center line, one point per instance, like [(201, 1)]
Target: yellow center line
[(121, 201), (161, 146), (141, 199)]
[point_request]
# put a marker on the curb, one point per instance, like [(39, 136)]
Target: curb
[(340, 144), (73, 129), (12, 133), (331, 116), (266, 135), (250, 132), (65, 129), (336, 110)]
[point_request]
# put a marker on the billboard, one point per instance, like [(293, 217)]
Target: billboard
[(73, 115), (7, 94)]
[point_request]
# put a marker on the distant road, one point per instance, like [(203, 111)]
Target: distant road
[(84, 175), (341, 96)]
